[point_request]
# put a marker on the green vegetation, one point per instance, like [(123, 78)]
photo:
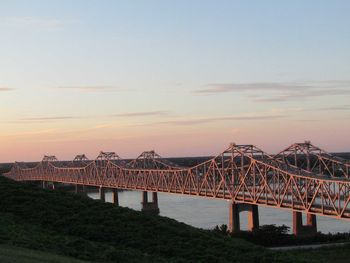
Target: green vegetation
[(71, 225), (339, 254), (275, 236), (5, 167), (9, 254)]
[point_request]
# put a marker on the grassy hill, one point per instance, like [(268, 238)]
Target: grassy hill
[(71, 225), (10, 254)]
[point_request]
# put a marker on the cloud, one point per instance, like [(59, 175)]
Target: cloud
[(101, 126), (5, 89), (45, 119), (331, 108), (338, 83), (309, 120), (225, 118), (246, 87), (90, 88), (140, 114), (279, 92), (40, 132), (293, 95), (30, 22)]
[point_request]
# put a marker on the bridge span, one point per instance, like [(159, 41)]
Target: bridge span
[(302, 179)]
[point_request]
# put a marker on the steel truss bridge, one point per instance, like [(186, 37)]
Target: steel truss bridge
[(301, 178)]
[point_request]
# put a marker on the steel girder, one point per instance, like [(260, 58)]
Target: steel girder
[(242, 173)]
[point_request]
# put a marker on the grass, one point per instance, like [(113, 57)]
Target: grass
[(75, 226), (10, 254), (338, 254)]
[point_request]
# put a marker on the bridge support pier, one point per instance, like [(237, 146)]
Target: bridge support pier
[(115, 198), (80, 189), (299, 229), (44, 184), (234, 225), (102, 194), (150, 207)]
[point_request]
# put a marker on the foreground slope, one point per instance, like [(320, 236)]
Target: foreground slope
[(76, 226), (10, 254)]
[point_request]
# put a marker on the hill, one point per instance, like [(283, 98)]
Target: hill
[(62, 223), (10, 254)]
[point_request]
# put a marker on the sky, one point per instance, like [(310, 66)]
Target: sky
[(183, 78)]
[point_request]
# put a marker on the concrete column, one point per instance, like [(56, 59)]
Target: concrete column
[(150, 207), (234, 224), (311, 220), (44, 184), (234, 220), (297, 223), (155, 198), (299, 229), (253, 218), (311, 223), (53, 185), (102, 194), (76, 188), (144, 197), (115, 198)]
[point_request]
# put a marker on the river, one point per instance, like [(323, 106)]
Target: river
[(207, 213)]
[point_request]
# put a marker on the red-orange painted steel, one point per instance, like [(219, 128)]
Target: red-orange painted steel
[(242, 173), (312, 158)]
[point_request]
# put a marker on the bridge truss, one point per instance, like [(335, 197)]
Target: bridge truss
[(242, 174), (312, 158)]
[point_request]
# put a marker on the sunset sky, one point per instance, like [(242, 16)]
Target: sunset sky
[(184, 78)]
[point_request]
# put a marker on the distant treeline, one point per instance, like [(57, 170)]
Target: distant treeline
[(275, 236), (181, 161)]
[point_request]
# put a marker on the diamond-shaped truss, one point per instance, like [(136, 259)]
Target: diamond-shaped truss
[(151, 160), (49, 158), (242, 173), (107, 156), (80, 158), (311, 158)]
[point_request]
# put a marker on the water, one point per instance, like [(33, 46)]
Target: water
[(207, 213)]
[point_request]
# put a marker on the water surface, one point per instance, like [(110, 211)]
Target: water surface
[(207, 212)]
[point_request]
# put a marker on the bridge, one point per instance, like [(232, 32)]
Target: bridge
[(302, 179)]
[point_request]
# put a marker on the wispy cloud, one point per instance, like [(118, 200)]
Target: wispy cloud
[(246, 87), (308, 120), (140, 114), (250, 117), (5, 89), (25, 133), (276, 92), (91, 88), (331, 108), (305, 94), (46, 118), (101, 126), (30, 22)]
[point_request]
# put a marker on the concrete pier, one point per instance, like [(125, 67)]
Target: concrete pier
[(102, 194), (115, 198), (150, 207), (299, 229), (80, 189), (234, 225)]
